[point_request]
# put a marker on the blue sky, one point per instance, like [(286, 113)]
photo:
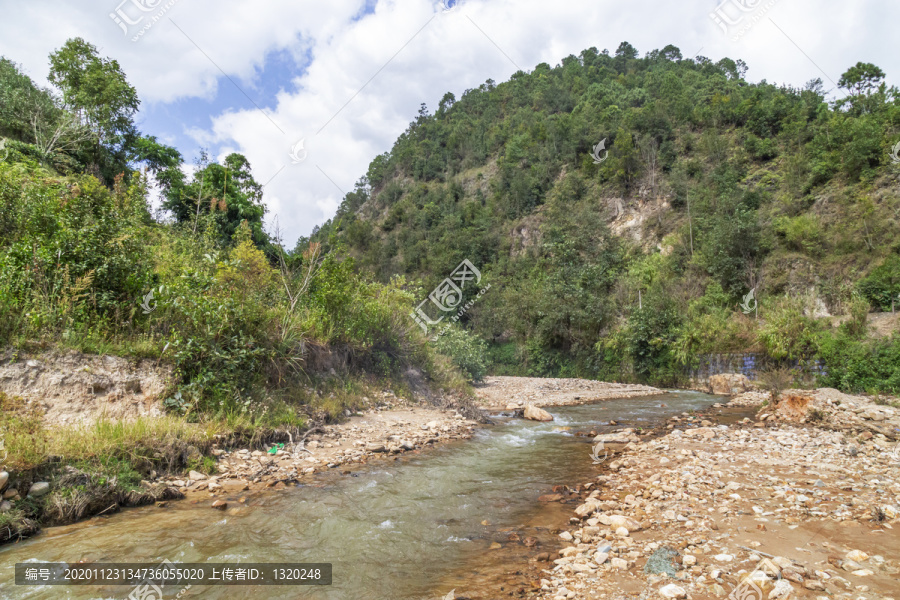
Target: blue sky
[(303, 60)]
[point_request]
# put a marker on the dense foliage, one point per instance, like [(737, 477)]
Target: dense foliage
[(84, 264), (632, 257)]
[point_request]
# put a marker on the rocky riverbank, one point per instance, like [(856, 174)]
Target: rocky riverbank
[(800, 502), (390, 427), (515, 393)]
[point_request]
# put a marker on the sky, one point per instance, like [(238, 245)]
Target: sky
[(311, 91)]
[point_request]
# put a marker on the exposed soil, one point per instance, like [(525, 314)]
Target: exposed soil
[(74, 388)]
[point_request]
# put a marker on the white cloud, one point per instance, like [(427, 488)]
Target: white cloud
[(340, 51)]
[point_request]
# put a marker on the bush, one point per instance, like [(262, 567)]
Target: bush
[(651, 335), (70, 253), (854, 365), (787, 333), (466, 350), (776, 380), (882, 286), (802, 233)]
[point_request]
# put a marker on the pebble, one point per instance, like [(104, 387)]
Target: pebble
[(39, 489), (781, 589), (857, 555), (672, 591)]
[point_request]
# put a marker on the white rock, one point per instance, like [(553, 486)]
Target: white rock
[(619, 563), (566, 536), (689, 560), (863, 572), (672, 591), (857, 555), (622, 532), (39, 489), (782, 589), (724, 557), (782, 562), (616, 521), (534, 413)]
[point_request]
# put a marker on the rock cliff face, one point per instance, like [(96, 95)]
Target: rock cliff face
[(75, 388)]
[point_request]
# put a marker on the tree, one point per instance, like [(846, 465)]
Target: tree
[(21, 101), (163, 161), (865, 83), (861, 78), (624, 53), (227, 192), (96, 90)]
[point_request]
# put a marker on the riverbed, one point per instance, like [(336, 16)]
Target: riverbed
[(411, 529)]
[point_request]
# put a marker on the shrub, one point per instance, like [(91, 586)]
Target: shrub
[(776, 380), (802, 233), (882, 286), (787, 333), (466, 350), (855, 365)]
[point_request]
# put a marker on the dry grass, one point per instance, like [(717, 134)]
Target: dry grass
[(29, 443)]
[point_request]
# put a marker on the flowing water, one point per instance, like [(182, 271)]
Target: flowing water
[(392, 532)]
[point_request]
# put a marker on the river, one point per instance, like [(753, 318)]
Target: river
[(409, 530)]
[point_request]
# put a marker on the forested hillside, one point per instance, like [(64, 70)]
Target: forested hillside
[(622, 208)]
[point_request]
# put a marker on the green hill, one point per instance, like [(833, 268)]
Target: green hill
[(633, 260)]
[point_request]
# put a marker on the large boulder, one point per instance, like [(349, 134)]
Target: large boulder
[(729, 384), (537, 414)]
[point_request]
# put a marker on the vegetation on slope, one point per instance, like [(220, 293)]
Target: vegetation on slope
[(730, 186), (264, 341)]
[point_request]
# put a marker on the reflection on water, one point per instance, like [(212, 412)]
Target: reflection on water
[(390, 533)]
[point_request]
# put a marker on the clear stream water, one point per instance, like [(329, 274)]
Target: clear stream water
[(393, 531)]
